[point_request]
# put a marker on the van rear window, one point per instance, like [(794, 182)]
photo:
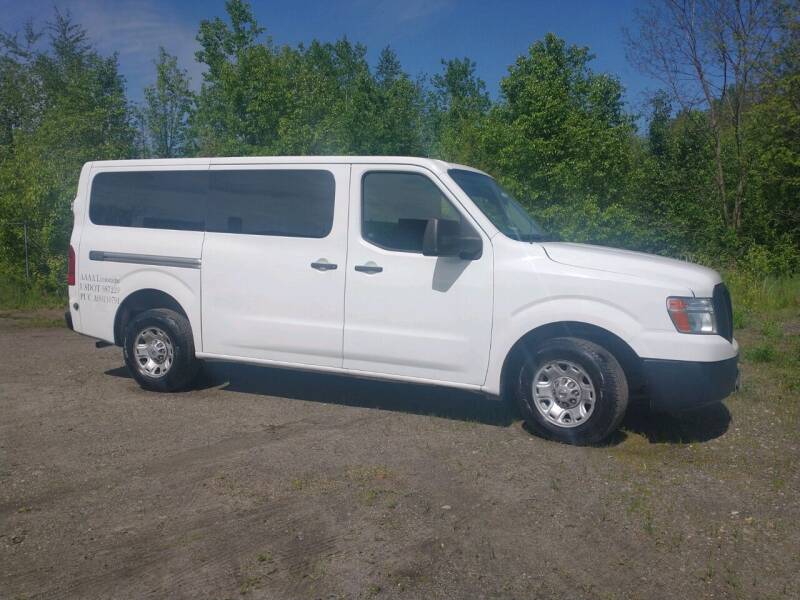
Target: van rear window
[(295, 203), (152, 199), (292, 203)]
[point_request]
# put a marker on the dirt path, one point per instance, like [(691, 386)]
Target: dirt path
[(275, 484)]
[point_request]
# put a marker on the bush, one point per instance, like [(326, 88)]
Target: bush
[(18, 295), (751, 293), (779, 259)]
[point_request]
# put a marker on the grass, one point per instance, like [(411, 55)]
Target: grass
[(772, 330), (770, 334), (762, 353), (16, 296), (762, 298), (32, 320), (767, 326)]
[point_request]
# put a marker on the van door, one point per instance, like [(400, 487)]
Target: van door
[(407, 314), (274, 263)]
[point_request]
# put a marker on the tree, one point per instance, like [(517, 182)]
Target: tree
[(709, 54), (716, 172), (16, 81), (68, 107), (560, 129), (658, 128), (257, 98), (167, 106), (399, 109), (774, 128), (388, 70), (459, 90), (561, 141), (240, 94), (460, 103)]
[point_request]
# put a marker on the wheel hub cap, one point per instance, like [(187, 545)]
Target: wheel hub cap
[(563, 393), (157, 350), (153, 352), (567, 392)]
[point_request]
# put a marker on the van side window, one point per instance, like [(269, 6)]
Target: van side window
[(396, 206), (293, 203), (151, 199)]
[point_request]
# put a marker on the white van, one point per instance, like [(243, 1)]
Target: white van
[(393, 267)]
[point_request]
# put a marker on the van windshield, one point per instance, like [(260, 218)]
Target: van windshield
[(497, 204)]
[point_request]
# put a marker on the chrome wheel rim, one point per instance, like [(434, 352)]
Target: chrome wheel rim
[(563, 393), (153, 352)]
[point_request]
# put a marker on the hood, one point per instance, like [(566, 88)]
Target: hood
[(700, 280)]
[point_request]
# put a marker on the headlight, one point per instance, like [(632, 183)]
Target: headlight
[(692, 315)]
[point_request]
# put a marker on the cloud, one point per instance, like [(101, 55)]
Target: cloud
[(395, 13), (132, 28), (135, 29), (412, 10)]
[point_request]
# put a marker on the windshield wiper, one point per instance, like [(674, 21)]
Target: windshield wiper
[(536, 237)]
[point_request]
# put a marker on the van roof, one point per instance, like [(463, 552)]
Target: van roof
[(431, 163)]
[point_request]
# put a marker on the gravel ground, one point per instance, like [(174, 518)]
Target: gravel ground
[(266, 483)]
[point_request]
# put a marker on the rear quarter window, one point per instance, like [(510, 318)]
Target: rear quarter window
[(150, 199)]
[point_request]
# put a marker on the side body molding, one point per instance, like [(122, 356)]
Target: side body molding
[(145, 259)]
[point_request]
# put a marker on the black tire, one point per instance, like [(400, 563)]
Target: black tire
[(185, 365), (606, 375)]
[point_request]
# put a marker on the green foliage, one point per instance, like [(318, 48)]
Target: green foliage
[(754, 293), (257, 98), (773, 222), (561, 141), (166, 110), (68, 107), (558, 137), (459, 104), (560, 130), (763, 353), (771, 329), (16, 295)]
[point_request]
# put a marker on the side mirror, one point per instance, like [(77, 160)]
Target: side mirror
[(444, 237)]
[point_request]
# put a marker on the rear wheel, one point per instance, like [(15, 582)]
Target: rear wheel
[(572, 390), (159, 350)]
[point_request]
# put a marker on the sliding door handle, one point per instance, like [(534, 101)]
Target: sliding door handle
[(323, 265), (370, 267)]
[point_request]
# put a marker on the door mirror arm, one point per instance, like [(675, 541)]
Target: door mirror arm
[(471, 247)]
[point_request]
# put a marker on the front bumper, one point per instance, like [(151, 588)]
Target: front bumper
[(675, 385)]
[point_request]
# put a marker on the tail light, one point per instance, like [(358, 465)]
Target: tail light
[(71, 267)]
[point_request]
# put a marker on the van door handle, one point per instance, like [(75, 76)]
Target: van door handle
[(370, 267), (323, 266)]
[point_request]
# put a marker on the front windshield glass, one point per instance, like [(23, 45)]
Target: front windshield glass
[(497, 204)]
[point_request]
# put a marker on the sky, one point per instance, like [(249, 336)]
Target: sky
[(422, 32)]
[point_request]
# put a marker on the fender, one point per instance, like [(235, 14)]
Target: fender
[(551, 310), (171, 284), (162, 280)]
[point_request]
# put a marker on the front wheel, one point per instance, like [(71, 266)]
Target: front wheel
[(572, 390), (159, 350)]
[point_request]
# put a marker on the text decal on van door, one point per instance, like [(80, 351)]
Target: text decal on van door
[(99, 288)]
